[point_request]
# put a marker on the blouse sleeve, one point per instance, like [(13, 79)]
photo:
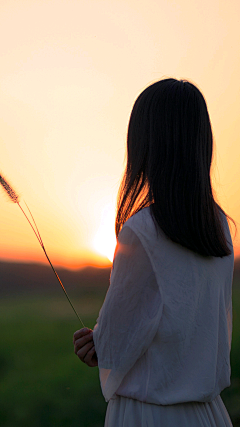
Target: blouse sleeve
[(130, 315)]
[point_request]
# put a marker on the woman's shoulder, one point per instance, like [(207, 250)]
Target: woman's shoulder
[(141, 221), (143, 226)]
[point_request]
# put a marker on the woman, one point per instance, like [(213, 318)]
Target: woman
[(163, 336)]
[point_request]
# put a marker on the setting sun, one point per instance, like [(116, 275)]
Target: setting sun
[(105, 240)]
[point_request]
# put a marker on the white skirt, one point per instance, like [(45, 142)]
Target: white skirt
[(125, 412)]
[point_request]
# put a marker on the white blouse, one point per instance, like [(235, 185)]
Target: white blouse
[(163, 334)]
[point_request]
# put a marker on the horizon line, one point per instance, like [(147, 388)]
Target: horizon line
[(74, 267)]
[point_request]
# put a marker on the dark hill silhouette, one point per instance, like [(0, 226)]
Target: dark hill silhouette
[(17, 278)]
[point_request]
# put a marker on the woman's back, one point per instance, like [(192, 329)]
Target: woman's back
[(179, 306)]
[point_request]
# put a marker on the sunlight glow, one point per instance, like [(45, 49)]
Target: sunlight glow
[(105, 240), (69, 75)]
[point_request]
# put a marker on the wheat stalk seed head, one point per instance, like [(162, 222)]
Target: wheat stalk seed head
[(14, 197)]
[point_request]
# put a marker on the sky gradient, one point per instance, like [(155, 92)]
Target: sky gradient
[(70, 73)]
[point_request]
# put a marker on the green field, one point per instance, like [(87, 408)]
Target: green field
[(43, 383)]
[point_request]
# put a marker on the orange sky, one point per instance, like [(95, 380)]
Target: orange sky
[(70, 72)]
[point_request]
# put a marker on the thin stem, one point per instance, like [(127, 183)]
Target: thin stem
[(39, 239), (34, 223), (38, 236), (64, 290)]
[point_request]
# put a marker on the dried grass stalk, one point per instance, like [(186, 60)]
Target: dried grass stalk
[(14, 197)]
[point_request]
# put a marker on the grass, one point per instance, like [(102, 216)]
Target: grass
[(231, 395), (43, 383)]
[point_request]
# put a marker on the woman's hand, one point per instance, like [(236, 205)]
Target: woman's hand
[(84, 347)]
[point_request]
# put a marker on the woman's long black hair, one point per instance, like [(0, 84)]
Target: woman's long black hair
[(169, 155)]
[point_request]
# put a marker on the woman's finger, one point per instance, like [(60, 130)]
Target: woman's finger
[(81, 353), (91, 358), (80, 333), (78, 344), (82, 345)]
